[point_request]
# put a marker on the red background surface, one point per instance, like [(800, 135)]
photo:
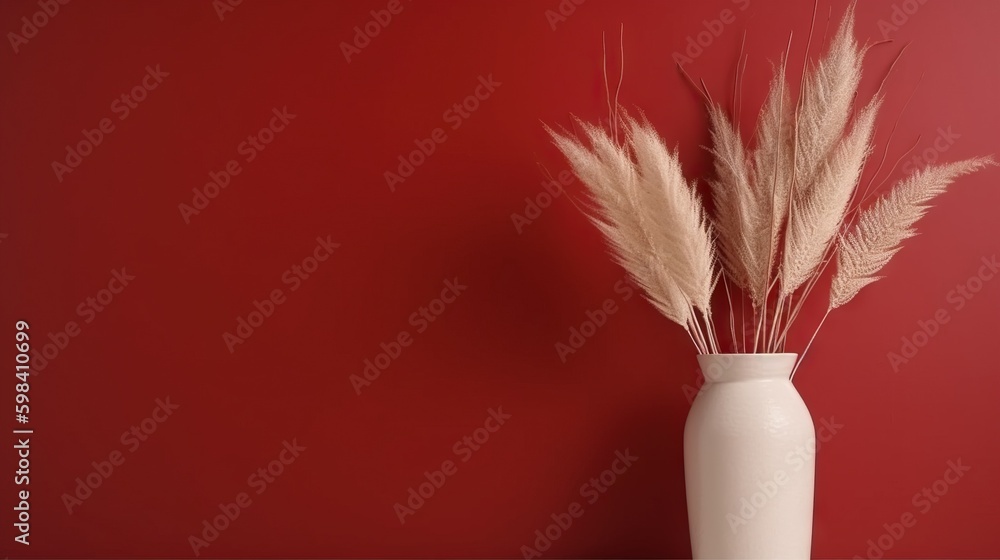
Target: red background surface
[(495, 345)]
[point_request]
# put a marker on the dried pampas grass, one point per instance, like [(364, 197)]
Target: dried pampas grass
[(881, 228), (782, 201), (742, 209), (828, 93), (652, 218), (819, 207)]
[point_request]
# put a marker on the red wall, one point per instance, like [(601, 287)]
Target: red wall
[(391, 251)]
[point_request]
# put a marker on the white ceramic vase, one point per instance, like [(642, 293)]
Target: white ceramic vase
[(749, 460)]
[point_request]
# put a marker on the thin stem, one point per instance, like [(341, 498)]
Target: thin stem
[(756, 330), (788, 314), (811, 339), (732, 320), (826, 28), (693, 318), (715, 333), (687, 329), (736, 83), (774, 189), (827, 258), (693, 84), (743, 71), (777, 314), (692, 329), (704, 87), (776, 322), (888, 141), (889, 71), (798, 306), (607, 86), (709, 327), (743, 319), (866, 195), (708, 333), (621, 75), (707, 337), (889, 174)]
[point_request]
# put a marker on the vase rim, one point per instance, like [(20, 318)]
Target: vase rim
[(722, 368), (750, 354)]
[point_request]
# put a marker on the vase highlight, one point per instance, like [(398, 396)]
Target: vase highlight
[(749, 460)]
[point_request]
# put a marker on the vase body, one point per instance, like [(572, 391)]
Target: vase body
[(749, 460)]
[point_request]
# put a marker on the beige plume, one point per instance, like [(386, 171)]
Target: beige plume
[(818, 212), (825, 108), (882, 227), (614, 184)]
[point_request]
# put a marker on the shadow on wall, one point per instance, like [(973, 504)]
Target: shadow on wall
[(650, 519), (526, 294)]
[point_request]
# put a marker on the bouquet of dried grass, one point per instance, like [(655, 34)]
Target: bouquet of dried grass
[(785, 207)]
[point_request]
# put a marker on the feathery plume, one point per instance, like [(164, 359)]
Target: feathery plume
[(818, 212), (779, 204), (825, 107), (674, 214), (882, 227), (772, 158), (739, 215), (610, 176)]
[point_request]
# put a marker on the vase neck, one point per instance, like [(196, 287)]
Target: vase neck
[(728, 368)]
